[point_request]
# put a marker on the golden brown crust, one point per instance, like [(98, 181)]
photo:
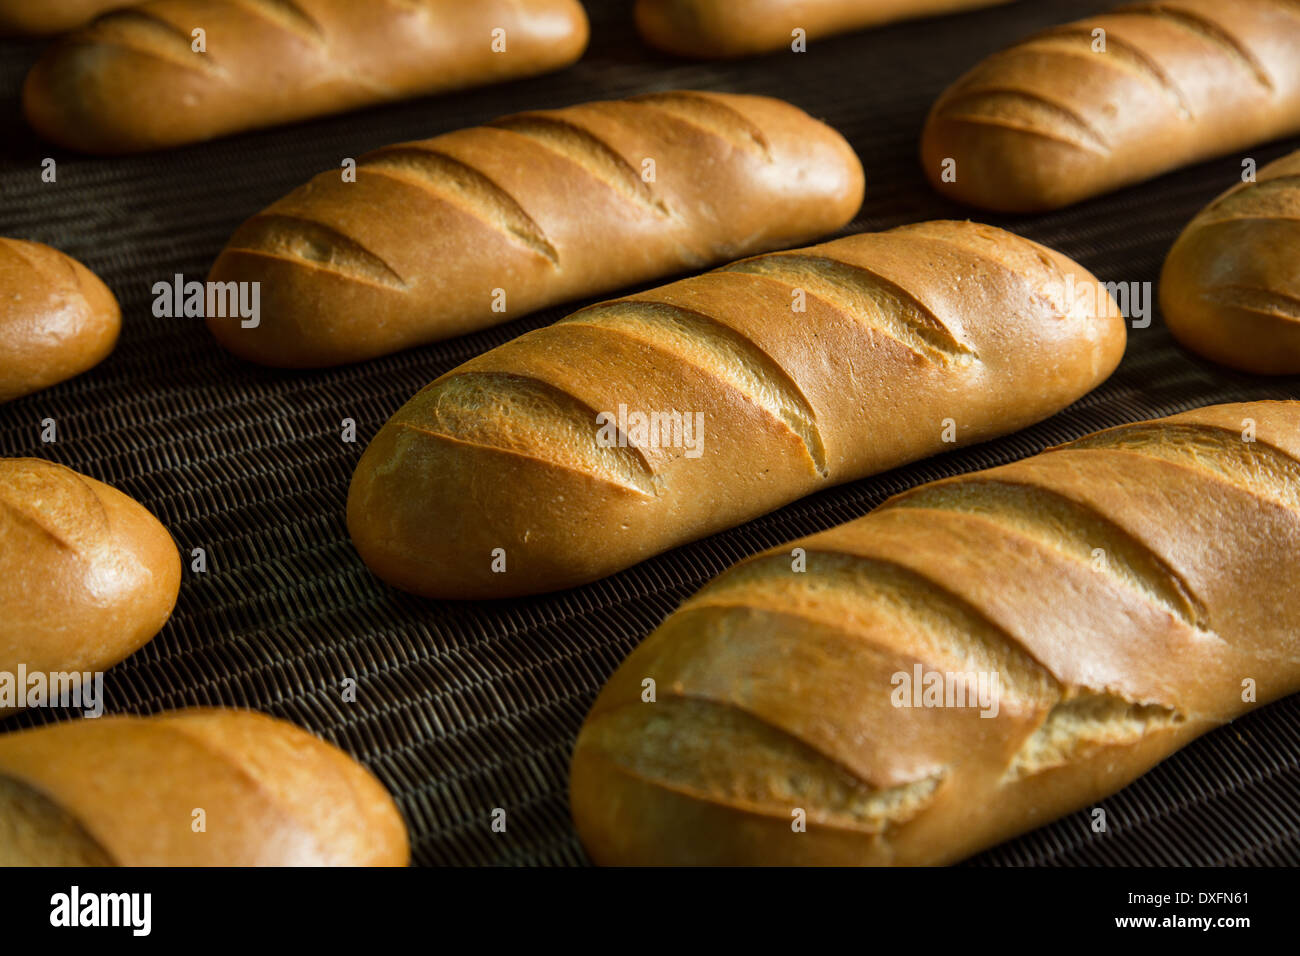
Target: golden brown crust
[(1053, 120), (1115, 635), (34, 831), (270, 793), (46, 17), (132, 81), (901, 331), (729, 28), (544, 207), (87, 574), (57, 319), (1230, 289)]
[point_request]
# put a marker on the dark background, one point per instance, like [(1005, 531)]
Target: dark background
[(465, 707)]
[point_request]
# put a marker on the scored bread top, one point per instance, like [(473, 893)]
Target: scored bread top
[(57, 319), (1230, 289), (1125, 589), (199, 787), (87, 574), (137, 79), (478, 226), (1114, 99), (803, 368)]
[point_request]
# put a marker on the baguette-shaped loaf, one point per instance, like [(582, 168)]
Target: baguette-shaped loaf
[(44, 17), (501, 478), (1122, 594), (1230, 289), (57, 319), (87, 574), (190, 788), (730, 28), (133, 80), (476, 227), (1054, 119)]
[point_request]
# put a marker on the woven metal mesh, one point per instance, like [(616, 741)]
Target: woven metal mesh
[(466, 707)]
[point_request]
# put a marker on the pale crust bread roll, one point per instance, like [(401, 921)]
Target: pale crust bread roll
[(1127, 591), (87, 574), (730, 28), (1051, 121), (44, 17), (57, 319), (910, 342), (132, 80), (1230, 289), (126, 791), (476, 227)]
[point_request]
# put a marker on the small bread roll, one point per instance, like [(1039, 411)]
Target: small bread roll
[(87, 575), (57, 319), (1230, 289)]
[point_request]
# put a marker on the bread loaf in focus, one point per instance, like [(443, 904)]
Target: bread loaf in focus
[(87, 574), (1058, 118), (727, 28), (909, 342), (1230, 289), (57, 319), (43, 17), (131, 791), (133, 80), (1122, 589), (476, 227)]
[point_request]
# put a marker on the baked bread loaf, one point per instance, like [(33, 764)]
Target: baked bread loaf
[(471, 229), (519, 472), (87, 575), (729, 28), (1054, 120), (1114, 593), (133, 80), (190, 788), (57, 319), (1230, 289), (44, 17)]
